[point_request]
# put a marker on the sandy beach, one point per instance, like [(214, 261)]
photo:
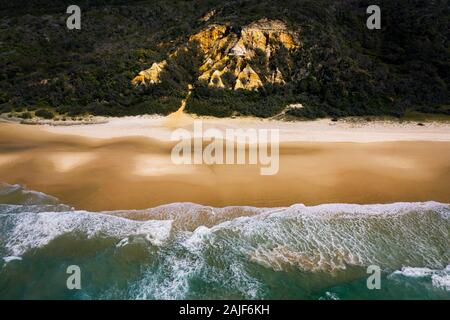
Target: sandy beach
[(323, 130), (125, 164)]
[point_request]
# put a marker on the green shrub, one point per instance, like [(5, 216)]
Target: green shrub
[(43, 113), (26, 115)]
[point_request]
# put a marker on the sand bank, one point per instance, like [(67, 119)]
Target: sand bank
[(323, 130), (126, 165)]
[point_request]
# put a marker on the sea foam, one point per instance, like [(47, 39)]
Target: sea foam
[(238, 250), (23, 231)]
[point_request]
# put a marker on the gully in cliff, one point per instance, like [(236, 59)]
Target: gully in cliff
[(229, 56)]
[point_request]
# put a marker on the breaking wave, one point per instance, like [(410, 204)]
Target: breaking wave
[(189, 251)]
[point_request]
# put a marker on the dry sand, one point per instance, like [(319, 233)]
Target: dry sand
[(324, 130), (126, 164)]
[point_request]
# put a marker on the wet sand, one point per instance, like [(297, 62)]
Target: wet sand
[(132, 171)]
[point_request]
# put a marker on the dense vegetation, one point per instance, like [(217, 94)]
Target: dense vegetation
[(342, 68)]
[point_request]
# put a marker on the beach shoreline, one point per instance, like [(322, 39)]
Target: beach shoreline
[(321, 130), (126, 164)]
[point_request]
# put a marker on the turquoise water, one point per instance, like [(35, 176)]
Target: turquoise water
[(188, 251)]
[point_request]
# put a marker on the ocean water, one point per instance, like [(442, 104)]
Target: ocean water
[(189, 251)]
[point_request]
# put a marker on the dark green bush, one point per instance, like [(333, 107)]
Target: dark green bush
[(341, 69), (43, 113)]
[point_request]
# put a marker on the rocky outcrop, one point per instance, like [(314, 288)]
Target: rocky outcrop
[(248, 79), (208, 16), (235, 53), (276, 77), (151, 75)]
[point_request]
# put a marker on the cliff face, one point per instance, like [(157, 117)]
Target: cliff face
[(232, 54), (335, 66), (151, 75)]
